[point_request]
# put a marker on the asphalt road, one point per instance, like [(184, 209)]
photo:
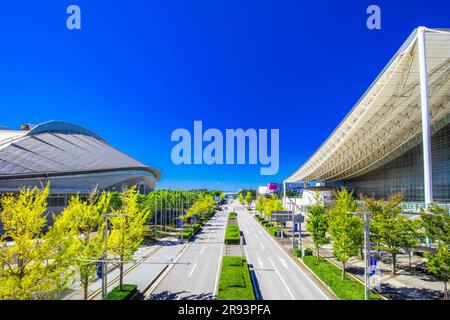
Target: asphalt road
[(195, 275), (277, 276)]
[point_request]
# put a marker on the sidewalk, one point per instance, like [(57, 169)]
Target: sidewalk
[(407, 284), (152, 260)]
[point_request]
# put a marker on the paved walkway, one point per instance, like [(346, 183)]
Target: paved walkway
[(152, 260)]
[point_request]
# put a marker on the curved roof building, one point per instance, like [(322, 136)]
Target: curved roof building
[(377, 149), (72, 158)]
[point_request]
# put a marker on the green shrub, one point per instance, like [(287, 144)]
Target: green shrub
[(235, 282), (128, 290), (232, 215), (232, 234)]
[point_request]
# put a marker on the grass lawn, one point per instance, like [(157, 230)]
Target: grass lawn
[(235, 282), (347, 289), (127, 291)]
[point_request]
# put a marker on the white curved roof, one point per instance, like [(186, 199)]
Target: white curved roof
[(386, 121), (58, 147)]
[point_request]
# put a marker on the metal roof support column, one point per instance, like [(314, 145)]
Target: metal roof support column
[(426, 140)]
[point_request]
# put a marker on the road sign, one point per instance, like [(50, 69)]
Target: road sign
[(284, 216), (99, 270), (373, 266)]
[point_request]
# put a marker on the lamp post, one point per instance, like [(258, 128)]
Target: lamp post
[(366, 216), (105, 255)]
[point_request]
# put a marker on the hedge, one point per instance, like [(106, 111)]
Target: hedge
[(128, 290), (232, 234), (232, 215), (235, 282)]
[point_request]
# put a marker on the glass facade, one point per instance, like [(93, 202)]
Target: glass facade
[(405, 173)]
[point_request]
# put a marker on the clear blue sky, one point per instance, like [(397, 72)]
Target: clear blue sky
[(140, 69)]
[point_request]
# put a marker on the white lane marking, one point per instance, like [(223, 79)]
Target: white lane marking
[(282, 280), (260, 262), (296, 265), (256, 236), (283, 262), (203, 249), (262, 247), (190, 273)]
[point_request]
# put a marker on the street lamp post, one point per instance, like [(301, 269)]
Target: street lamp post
[(366, 216), (105, 255)]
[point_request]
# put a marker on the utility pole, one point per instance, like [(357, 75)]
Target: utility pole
[(105, 255), (366, 216)]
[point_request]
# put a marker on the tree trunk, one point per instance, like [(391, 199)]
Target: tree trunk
[(85, 289), (318, 253), (409, 256), (343, 270), (445, 291), (121, 274), (394, 258)]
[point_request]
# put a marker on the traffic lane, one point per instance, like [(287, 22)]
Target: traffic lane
[(295, 282), (194, 276), (268, 282)]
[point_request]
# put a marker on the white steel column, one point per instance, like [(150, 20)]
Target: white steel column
[(426, 140)]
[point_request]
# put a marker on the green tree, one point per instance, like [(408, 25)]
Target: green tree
[(31, 265), (260, 202), (346, 229), (82, 223), (317, 224), (436, 222), (241, 198), (248, 198), (439, 265), (391, 230), (127, 229)]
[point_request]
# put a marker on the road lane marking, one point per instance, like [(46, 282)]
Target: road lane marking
[(203, 249), (283, 262), (190, 273), (260, 262), (262, 247), (295, 264), (281, 278), (256, 236)]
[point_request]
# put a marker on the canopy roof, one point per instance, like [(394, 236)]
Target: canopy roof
[(58, 147), (386, 121)]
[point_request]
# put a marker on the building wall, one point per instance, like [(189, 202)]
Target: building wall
[(405, 173)]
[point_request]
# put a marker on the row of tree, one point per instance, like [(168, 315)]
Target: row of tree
[(41, 255), (390, 230)]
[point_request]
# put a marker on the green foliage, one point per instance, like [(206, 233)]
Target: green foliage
[(127, 229), (32, 268), (124, 293), (391, 230), (235, 282), (436, 222), (232, 215), (346, 229), (346, 289), (317, 224), (232, 234), (439, 264)]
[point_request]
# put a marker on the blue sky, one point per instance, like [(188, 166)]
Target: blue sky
[(140, 69)]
